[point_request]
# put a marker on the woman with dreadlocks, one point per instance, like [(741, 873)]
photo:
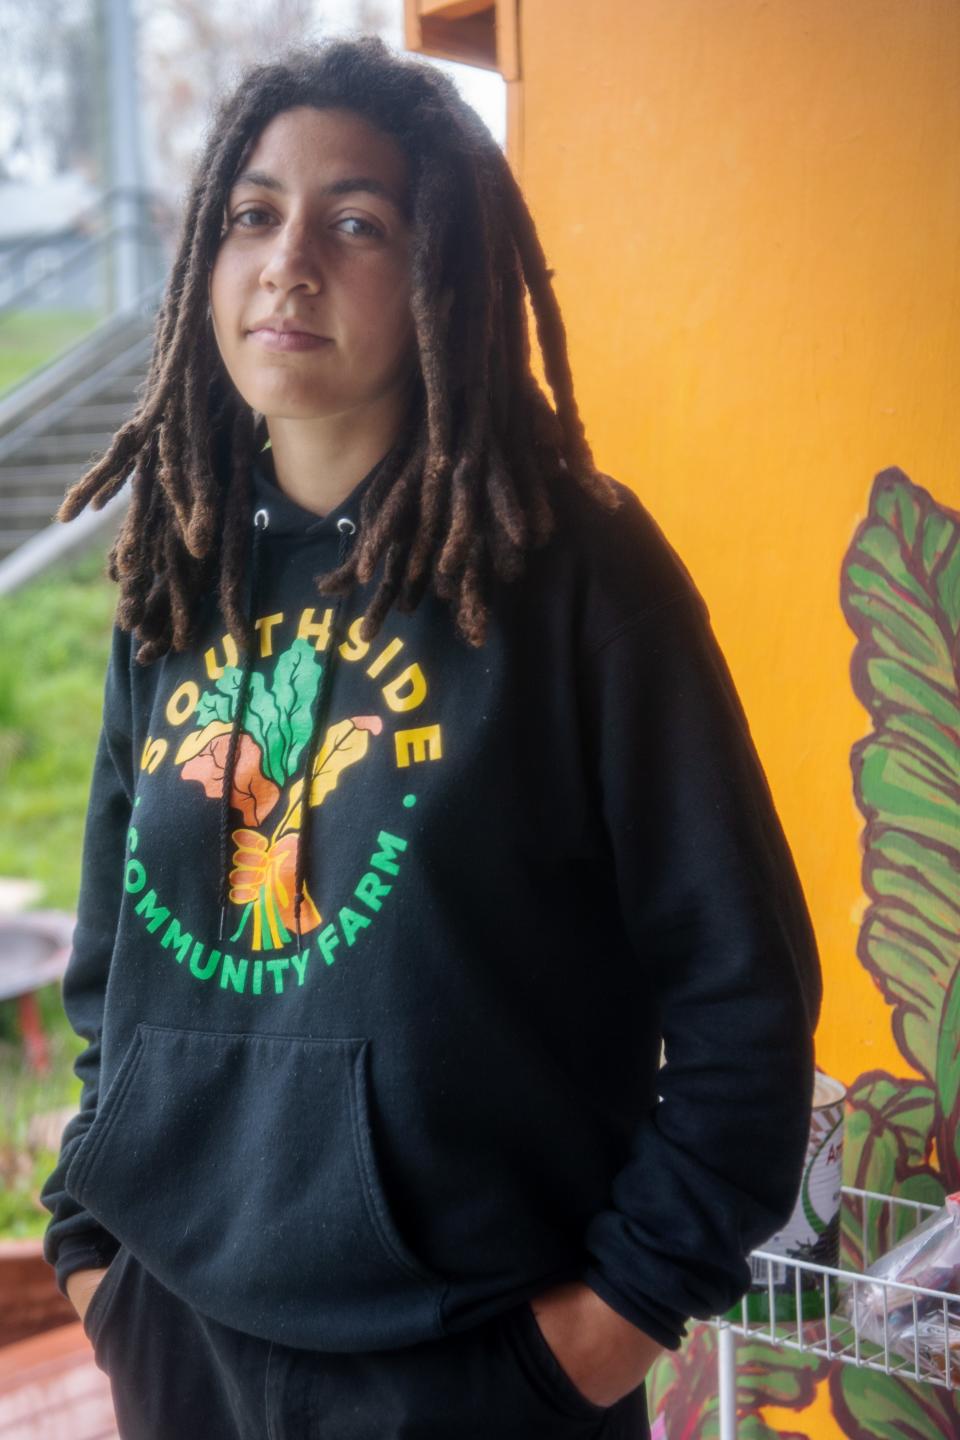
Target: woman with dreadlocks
[(423, 810)]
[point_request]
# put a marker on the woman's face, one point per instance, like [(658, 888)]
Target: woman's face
[(315, 236)]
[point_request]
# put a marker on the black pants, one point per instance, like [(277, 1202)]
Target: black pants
[(177, 1375)]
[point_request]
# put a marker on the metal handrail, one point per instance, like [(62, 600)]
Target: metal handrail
[(81, 217), (81, 252), (50, 413)]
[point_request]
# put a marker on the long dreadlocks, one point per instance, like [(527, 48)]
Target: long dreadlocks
[(465, 489)]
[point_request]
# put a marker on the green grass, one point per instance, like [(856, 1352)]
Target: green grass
[(52, 665), (31, 338), (56, 639), (24, 1163)]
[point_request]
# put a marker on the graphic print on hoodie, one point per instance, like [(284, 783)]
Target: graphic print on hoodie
[(523, 865), (267, 801)]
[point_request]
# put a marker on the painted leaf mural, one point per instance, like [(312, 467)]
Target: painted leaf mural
[(871, 1406), (682, 1387), (901, 596), (888, 1143), (900, 591)]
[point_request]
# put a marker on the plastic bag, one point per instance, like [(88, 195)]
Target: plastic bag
[(929, 1257)]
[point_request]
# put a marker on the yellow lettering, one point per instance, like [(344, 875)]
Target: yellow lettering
[(265, 625), (415, 695), (353, 648), (308, 628), (153, 753), (384, 658), (214, 668), (417, 745), (184, 701)]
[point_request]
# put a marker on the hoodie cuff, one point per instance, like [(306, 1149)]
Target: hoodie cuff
[(662, 1324), (92, 1250)]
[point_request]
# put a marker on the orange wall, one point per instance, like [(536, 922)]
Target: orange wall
[(753, 213)]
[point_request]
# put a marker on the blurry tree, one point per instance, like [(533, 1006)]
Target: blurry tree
[(50, 102), (193, 50)]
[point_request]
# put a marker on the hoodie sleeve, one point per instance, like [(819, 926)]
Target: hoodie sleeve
[(714, 912), (74, 1240)]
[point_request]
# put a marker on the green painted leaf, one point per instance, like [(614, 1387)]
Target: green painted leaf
[(662, 1377), (688, 1402), (873, 1406), (926, 1186), (752, 1427), (682, 1385), (901, 596), (295, 682), (888, 1132), (767, 1375), (948, 1053)]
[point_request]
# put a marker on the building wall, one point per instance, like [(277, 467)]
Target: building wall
[(753, 214)]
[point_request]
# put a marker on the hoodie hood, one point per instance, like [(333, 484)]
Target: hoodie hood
[(289, 521)]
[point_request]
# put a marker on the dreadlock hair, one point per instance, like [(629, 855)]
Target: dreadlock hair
[(465, 489)]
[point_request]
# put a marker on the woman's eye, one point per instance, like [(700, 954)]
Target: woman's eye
[(243, 214), (368, 228), (365, 228)]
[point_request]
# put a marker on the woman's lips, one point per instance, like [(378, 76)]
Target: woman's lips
[(289, 339)]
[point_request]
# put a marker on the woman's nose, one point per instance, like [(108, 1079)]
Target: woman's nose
[(294, 260)]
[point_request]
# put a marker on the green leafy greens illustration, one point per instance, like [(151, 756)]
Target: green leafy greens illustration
[(278, 719)]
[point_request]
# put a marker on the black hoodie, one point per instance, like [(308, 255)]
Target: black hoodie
[(527, 864)]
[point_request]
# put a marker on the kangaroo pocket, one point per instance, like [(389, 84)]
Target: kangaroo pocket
[(241, 1171)]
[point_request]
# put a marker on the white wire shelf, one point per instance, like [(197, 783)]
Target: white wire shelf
[(921, 1344)]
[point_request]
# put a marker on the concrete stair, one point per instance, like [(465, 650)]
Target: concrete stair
[(56, 424)]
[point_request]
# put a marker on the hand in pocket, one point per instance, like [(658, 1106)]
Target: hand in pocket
[(80, 1287), (603, 1355)]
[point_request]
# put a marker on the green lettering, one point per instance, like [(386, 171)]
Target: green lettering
[(155, 914), (234, 973), (257, 976), (383, 859), (277, 967), (351, 921), (328, 940), (300, 965), (371, 890), (135, 877), (179, 940), (203, 972)]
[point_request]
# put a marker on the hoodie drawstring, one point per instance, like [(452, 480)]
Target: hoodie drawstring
[(261, 520), (347, 530)]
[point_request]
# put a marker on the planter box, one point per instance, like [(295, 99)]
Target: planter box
[(29, 1299)]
